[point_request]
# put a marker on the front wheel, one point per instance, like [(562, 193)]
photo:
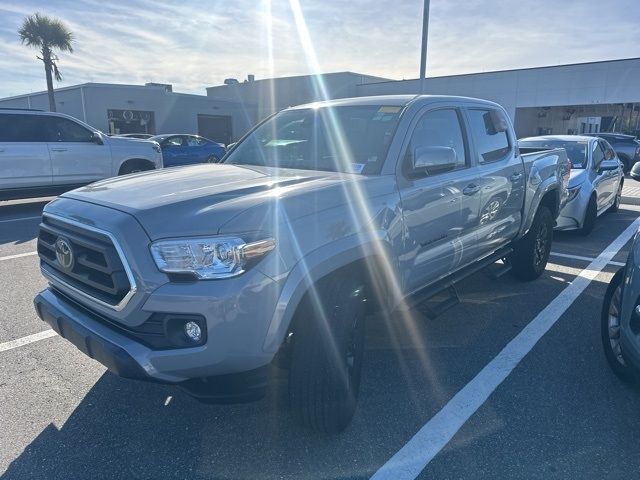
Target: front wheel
[(610, 329), (327, 354), (590, 217), (531, 252), (616, 204), (213, 159)]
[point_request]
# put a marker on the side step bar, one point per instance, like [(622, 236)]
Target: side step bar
[(448, 284)]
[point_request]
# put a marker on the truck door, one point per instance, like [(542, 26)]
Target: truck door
[(437, 217), (24, 157), (501, 179)]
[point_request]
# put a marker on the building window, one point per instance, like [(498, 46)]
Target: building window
[(131, 121)]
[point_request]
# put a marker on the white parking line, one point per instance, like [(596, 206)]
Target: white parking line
[(20, 219), (18, 255), (19, 342), (411, 459), (580, 257)]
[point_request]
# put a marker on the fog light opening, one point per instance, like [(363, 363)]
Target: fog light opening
[(192, 331)]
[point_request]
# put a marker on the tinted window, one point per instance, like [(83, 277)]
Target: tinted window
[(576, 150), (439, 128), (21, 128), (64, 130), (196, 141), (491, 144), (173, 142), (341, 138)]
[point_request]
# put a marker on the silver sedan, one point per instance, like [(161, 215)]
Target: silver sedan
[(595, 185)]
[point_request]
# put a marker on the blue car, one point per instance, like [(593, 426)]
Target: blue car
[(188, 149)]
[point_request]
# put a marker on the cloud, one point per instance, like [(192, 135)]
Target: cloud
[(198, 44)]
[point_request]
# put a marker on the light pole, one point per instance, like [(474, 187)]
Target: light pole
[(423, 51)]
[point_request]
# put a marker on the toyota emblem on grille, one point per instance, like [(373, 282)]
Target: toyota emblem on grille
[(64, 253)]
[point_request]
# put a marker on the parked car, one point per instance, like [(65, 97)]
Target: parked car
[(620, 317), (44, 153), (596, 178), (216, 272), (627, 147), (139, 136), (189, 149)]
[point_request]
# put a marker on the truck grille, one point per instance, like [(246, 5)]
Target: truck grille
[(84, 259)]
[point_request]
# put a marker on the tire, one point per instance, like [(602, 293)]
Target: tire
[(326, 356), (531, 252), (133, 166), (626, 164), (616, 204), (590, 217), (213, 159), (610, 330)]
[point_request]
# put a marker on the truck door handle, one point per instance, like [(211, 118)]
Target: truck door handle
[(516, 177), (58, 149), (471, 189)]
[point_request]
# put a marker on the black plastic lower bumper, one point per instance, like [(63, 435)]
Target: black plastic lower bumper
[(115, 358), (232, 388)]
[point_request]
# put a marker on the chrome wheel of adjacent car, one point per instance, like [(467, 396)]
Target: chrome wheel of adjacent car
[(614, 324), (611, 329)]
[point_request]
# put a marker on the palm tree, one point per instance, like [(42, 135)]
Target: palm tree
[(48, 34)]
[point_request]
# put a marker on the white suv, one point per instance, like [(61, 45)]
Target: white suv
[(44, 153)]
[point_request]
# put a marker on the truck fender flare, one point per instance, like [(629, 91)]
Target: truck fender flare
[(547, 186), (317, 264)]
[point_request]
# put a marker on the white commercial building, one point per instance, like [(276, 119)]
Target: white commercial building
[(586, 97)]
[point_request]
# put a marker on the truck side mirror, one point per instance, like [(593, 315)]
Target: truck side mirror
[(432, 160), (635, 172)]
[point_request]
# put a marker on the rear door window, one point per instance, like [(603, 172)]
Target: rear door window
[(21, 128), (489, 131)]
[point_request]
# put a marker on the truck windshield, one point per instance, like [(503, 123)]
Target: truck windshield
[(576, 150), (351, 139)]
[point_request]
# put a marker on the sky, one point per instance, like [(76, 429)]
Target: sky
[(196, 44)]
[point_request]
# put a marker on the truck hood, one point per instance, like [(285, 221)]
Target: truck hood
[(199, 200)]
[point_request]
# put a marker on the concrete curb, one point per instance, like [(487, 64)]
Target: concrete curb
[(630, 200)]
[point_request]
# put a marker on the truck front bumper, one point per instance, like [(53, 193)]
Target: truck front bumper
[(128, 358)]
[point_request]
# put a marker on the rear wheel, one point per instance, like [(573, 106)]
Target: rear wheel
[(135, 166), (610, 329), (531, 252), (213, 159), (590, 217), (327, 354)]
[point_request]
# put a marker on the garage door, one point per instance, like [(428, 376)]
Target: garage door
[(215, 127)]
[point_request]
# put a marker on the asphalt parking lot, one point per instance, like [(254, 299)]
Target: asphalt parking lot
[(515, 400)]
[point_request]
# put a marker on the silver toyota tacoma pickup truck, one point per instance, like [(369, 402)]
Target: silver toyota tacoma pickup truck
[(205, 276)]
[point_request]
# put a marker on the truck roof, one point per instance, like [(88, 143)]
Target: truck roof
[(395, 100)]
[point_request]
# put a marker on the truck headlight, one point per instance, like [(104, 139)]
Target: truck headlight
[(573, 193), (208, 258)]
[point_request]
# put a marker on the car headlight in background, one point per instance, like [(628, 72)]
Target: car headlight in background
[(208, 258), (573, 193)]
